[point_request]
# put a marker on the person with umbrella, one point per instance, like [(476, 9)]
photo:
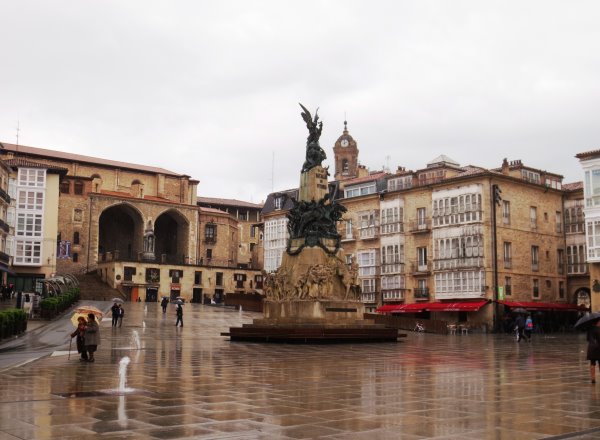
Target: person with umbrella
[(80, 334), (164, 303), (520, 325), (92, 336), (121, 312), (115, 314), (591, 323), (179, 312)]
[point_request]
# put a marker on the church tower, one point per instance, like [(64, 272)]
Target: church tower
[(345, 153)]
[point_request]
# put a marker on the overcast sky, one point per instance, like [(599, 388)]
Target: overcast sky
[(211, 89)]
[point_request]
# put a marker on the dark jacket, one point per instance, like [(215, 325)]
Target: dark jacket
[(179, 310), (520, 322), (92, 333), (593, 337)]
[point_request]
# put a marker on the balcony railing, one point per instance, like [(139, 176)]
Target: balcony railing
[(368, 233), (348, 237), (392, 228), (367, 298), (391, 268), (393, 294), (4, 195), (416, 268), (421, 293), (4, 226), (209, 240), (420, 226), (508, 264), (456, 263), (577, 269)]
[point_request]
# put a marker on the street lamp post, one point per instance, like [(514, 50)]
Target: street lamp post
[(496, 200)]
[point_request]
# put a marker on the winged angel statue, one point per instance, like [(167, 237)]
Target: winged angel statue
[(314, 153)]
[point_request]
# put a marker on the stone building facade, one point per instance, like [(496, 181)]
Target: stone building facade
[(427, 237), (123, 220)]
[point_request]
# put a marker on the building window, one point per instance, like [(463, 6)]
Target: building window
[(535, 258), (536, 288), (209, 253), (349, 233), (506, 212), (252, 231), (349, 259), (507, 255), (219, 279), (574, 220), (360, 190), (508, 286), (391, 220), (152, 275), (75, 257), (422, 259), (278, 202), (548, 284), (345, 166), (593, 240), (198, 277), (28, 225), (30, 199), (533, 217), (367, 261), (65, 187), (560, 260), (78, 187), (399, 183), (210, 233), (243, 216), (421, 218), (368, 286), (558, 222), (76, 238), (32, 177), (576, 262), (28, 252), (561, 289)]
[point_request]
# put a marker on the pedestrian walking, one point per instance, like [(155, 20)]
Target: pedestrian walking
[(92, 337), (164, 303), (593, 350), (80, 334), (179, 315), (121, 313), (520, 327), (115, 314), (528, 328)]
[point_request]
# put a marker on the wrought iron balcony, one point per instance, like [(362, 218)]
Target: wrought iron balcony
[(209, 240), (421, 293), (420, 226), (420, 269), (4, 195)]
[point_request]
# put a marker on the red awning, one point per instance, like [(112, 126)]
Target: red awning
[(532, 305), (464, 306), (401, 308)]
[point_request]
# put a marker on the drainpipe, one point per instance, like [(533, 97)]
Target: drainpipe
[(495, 199)]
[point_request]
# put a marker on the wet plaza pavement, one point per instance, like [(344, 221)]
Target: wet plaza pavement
[(191, 382)]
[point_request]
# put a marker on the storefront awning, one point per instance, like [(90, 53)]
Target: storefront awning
[(401, 308), (463, 306), (532, 305)]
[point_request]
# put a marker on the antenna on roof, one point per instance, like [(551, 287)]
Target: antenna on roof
[(386, 168), (18, 134), (273, 173)]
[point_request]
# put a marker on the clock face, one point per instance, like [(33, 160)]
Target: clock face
[(344, 142)]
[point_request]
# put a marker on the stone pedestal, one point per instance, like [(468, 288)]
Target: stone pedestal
[(313, 184)]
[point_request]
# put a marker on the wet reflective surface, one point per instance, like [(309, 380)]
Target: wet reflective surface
[(192, 383)]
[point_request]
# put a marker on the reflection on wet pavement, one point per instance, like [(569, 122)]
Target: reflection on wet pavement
[(194, 383)]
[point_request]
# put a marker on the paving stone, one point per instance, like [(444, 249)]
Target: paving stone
[(193, 383)]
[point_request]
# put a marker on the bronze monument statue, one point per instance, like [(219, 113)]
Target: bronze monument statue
[(314, 296)]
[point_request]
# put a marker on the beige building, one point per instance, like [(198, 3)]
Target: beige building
[(427, 242), (139, 227)]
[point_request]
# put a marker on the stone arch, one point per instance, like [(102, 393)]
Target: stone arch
[(121, 231), (172, 232)]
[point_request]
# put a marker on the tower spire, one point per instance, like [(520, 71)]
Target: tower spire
[(345, 124)]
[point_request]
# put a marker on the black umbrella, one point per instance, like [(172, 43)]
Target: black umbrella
[(587, 321), (520, 310)]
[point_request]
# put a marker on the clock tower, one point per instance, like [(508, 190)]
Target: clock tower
[(345, 153)]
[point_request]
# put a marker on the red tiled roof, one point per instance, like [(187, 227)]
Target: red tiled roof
[(216, 211), (228, 202), (25, 163), (61, 155), (573, 186), (588, 154)]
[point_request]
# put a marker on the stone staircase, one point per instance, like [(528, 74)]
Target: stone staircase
[(92, 288)]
